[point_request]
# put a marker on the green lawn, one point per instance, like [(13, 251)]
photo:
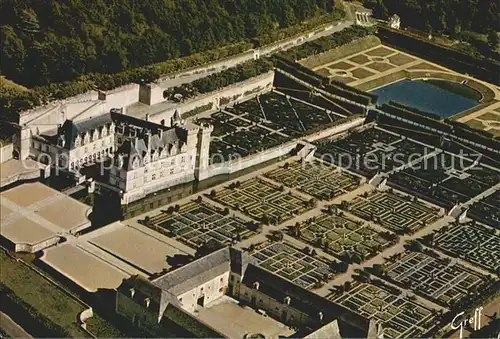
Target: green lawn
[(42, 295)]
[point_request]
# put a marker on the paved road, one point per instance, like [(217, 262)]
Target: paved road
[(12, 329)]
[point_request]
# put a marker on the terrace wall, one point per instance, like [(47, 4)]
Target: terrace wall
[(121, 97), (336, 129), (241, 58), (48, 116), (6, 152), (236, 165), (341, 52), (235, 93), (32, 248)]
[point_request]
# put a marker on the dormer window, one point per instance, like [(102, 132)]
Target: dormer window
[(256, 285), (132, 292), (78, 141), (61, 141), (147, 301)]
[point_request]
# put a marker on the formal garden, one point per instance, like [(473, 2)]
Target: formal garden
[(446, 179), (263, 201), (401, 316), (470, 241), (394, 211), (487, 210), (432, 277), (263, 122), (320, 180), (304, 267), (371, 151), (198, 222), (336, 234)]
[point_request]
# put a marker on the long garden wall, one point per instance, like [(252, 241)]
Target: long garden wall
[(239, 164), (233, 94), (6, 152), (246, 56), (341, 52)]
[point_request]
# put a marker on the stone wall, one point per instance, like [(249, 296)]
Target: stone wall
[(335, 129), (120, 97), (207, 69), (341, 52), (235, 93), (236, 60), (141, 192), (32, 248), (236, 165), (6, 152), (58, 111)]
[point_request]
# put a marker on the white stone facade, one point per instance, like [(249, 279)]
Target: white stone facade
[(72, 152), (205, 293), (158, 161)]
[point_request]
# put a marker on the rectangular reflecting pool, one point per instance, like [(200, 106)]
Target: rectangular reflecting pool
[(440, 97)]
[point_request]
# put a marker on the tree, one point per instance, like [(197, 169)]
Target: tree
[(29, 21), (296, 230), (210, 246), (415, 246), (12, 52), (277, 236), (493, 39), (378, 269)]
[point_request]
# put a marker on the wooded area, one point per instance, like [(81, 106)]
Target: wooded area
[(450, 16), (59, 40)]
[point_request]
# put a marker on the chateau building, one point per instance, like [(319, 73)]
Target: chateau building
[(76, 144), (231, 272), (138, 157)]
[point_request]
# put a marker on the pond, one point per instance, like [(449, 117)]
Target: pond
[(440, 97)]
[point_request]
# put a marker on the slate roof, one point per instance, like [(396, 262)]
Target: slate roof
[(71, 129), (145, 289), (240, 261), (330, 330), (351, 324), (196, 273), (138, 146)]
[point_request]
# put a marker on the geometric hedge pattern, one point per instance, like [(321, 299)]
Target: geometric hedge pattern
[(393, 211), (197, 223), (436, 278), (258, 198), (293, 264), (320, 180), (400, 317), (473, 243), (337, 235)]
